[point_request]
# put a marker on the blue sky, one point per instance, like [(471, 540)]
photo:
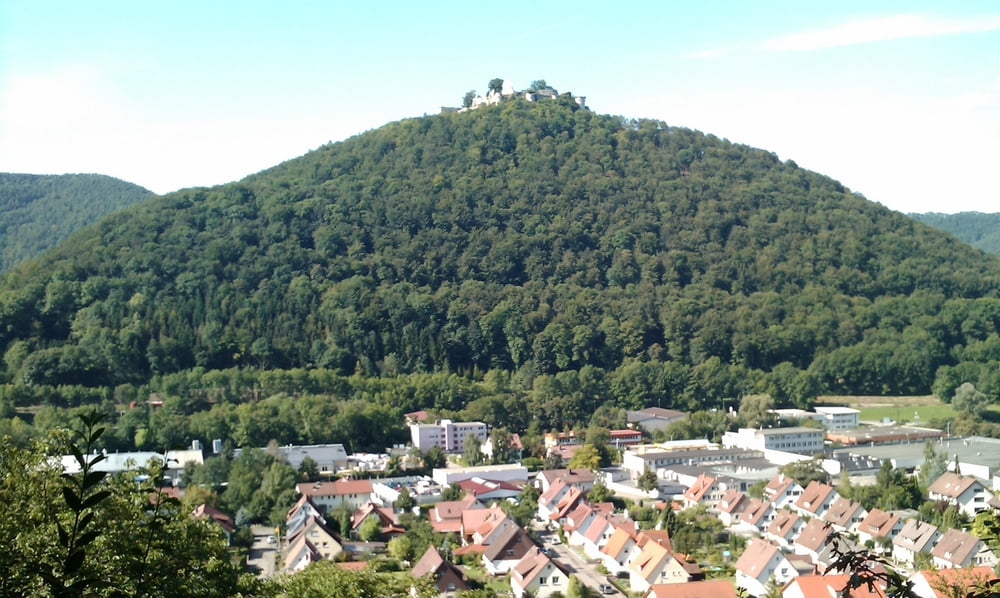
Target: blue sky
[(900, 101)]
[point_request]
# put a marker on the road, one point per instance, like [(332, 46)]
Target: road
[(574, 563), (263, 553)]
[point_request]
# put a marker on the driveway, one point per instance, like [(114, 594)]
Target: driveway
[(263, 553), (574, 563)]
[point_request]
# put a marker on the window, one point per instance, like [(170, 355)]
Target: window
[(541, 581)]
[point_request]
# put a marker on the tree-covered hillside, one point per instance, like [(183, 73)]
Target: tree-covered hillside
[(527, 238), (980, 230), (37, 212)]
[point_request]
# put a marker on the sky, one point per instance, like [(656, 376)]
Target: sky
[(899, 101)]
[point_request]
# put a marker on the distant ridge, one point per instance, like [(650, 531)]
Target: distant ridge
[(37, 212), (980, 230)]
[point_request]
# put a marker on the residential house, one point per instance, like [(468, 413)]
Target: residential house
[(225, 522), (879, 528), (915, 537), (831, 586), (321, 539), (658, 564), (730, 506), (387, 521), (506, 549), (446, 517), (697, 589), (580, 519), (516, 448), (477, 524), (782, 490), (330, 496), (537, 576), (599, 532), (815, 499), (958, 549), (300, 554), (566, 504), (966, 493), (785, 528), (845, 515), (620, 551), (947, 583), (581, 478), (447, 577), (813, 539), (329, 458), (704, 491), (757, 516), (761, 563), (652, 419)]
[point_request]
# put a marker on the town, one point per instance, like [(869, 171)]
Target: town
[(775, 510)]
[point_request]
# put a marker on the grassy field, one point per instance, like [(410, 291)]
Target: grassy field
[(915, 410), (910, 414)]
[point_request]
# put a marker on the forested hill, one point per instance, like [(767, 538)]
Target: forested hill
[(980, 230), (37, 212), (532, 238)]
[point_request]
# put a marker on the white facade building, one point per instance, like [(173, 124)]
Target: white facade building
[(839, 418), (448, 435), (801, 440)]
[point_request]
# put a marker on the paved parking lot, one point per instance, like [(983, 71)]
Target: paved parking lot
[(263, 553)]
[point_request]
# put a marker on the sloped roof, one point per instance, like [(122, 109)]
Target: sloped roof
[(842, 511), (301, 548), (778, 485), (598, 526), (693, 589), (814, 496), (814, 535), (653, 413), (731, 501), (617, 543), (553, 492), (650, 560), (969, 577), (879, 523), (831, 585), (337, 488), (205, 511), (532, 565), (755, 511), (952, 485), (567, 503), (755, 558), (784, 524), (572, 477), (701, 487), (956, 546), (512, 538), (915, 535)]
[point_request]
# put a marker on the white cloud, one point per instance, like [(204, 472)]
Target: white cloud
[(865, 31)]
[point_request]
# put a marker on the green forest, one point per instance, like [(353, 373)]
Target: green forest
[(980, 230), (37, 212), (527, 264)]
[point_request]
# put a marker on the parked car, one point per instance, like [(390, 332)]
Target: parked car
[(607, 589)]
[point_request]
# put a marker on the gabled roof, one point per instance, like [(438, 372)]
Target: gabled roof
[(567, 503), (428, 564), (784, 524), (337, 488), (952, 485), (301, 549), (701, 487), (303, 504), (956, 546), (814, 535), (578, 516), (832, 585), (661, 537), (755, 511), (597, 527), (532, 565), (842, 511), (969, 577), (879, 524), (552, 493), (478, 487), (814, 496), (694, 589), (572, 477), (915, 535), (618, 541), (205, 511), (650, 560), (308, 524), (778, 485), (514, 539), (385, 515), (754, 560), (732, 501)]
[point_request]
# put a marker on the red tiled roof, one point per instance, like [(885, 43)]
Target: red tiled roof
[(692, 589), (337, 488)]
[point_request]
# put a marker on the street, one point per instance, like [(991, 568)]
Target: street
[(574, 563)]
